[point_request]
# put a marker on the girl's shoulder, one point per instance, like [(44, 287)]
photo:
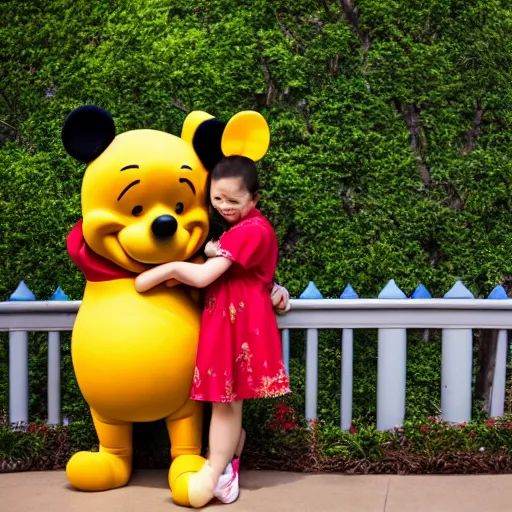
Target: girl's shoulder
[(254, 219)]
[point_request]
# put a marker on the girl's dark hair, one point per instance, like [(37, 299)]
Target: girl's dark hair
[(238, 167)]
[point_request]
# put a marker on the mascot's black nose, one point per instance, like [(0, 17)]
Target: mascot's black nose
[(164, 226)]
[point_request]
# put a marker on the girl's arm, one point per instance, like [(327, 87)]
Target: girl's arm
[(192, 274)]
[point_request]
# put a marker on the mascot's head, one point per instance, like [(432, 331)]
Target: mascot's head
[(144, 191)]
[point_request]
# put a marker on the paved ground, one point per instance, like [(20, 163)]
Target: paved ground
[(270, 492)]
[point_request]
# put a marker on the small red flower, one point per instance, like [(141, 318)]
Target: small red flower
[(284, 418), (491, 423), (352, 429), (423, 428), (462, 425)]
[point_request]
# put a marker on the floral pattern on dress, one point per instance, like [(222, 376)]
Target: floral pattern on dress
[(197, 378), (212, 302), (244, 358), (271, 387), (195, 395), (233, 311), (229, 395), (224, 254)]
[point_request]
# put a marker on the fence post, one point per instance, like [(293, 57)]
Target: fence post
[(18, 364), (497, 406), (391, 369), (311, 292), (457, 366), (54, 391), (18, 377), (53, 378), (347, 367), (285, 343)]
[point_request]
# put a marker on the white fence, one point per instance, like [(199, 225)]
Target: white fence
[(391, 317)]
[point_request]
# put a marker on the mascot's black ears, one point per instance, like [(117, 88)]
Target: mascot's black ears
[(207, 142), (87, 132)]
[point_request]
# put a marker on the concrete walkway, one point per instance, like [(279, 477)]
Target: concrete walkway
[(270, 492)]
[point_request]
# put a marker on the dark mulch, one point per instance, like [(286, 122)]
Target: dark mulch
[(304, 457)]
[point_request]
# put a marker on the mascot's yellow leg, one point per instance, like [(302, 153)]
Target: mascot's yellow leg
[(109, 468), (184, 430)]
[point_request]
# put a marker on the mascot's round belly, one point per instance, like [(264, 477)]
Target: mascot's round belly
[(134, 355)]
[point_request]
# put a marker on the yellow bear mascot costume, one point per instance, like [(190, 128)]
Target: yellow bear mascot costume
[(143, 203)]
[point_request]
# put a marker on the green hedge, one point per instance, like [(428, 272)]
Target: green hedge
[(418, 447), (390, 156)]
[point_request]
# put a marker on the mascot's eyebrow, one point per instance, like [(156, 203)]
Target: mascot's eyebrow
[(186, 167), (189, 183), (133, 166), (133, 183)]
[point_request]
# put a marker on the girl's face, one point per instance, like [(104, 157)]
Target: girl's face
[(231, 199)]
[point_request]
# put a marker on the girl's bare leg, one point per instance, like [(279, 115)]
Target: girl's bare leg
[(239, 448), (225, 435), (241, 443)]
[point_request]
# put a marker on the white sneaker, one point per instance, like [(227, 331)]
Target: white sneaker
[(228, 489)]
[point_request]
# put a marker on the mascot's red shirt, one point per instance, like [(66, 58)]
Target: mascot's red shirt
[(93, 266)]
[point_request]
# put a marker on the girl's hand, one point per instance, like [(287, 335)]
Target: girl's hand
[(280, 299), (211, 249)]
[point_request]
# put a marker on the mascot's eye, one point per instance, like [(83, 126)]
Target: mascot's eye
[(137, 210), (179, 208)]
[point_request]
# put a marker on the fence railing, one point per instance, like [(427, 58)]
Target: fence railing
[(457, 315)]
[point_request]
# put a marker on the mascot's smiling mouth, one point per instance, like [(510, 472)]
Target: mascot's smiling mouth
[(183, 252)]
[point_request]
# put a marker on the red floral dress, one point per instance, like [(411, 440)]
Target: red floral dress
[(239, 354)]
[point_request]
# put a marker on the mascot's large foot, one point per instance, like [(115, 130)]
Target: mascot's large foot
[(98, 471), (189, 482)]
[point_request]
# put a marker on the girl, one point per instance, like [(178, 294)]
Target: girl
[(239, 351)]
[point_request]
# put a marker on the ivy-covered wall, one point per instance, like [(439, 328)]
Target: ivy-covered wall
[(390, 154)]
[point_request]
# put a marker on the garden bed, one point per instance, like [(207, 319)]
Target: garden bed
[(429, 447)]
